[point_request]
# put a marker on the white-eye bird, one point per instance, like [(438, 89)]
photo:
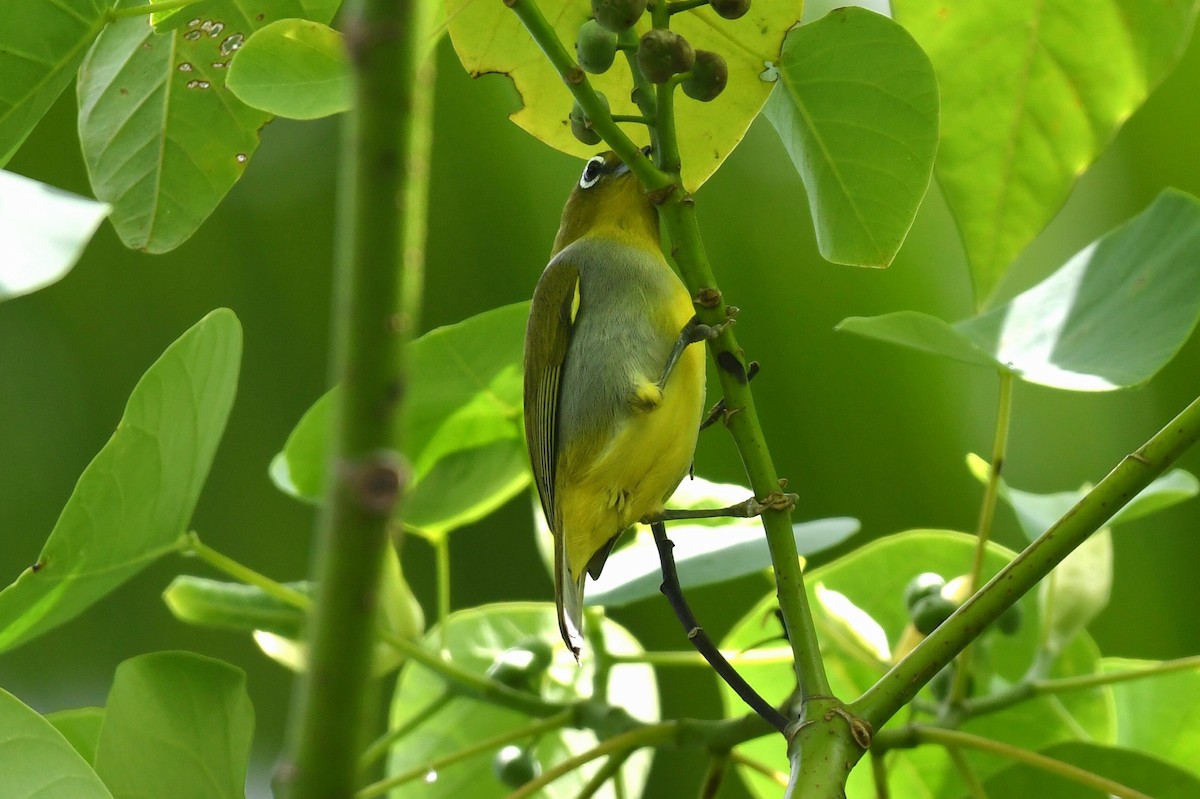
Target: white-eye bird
[(613, 394)]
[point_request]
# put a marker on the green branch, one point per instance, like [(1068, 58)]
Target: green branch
[(916, 734), (1122, 484), (380, 246)]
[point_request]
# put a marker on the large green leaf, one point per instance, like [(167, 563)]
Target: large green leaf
[(460, 429), (41, 45), (489, 38), (1032, 91), (1110, 318), (1137, 770), (293, 68), (862, 624), (474, 639), (178, 725), (857, 109), (42, 233), (37, 761), (1158, 714), (162, 137), (133, 501)]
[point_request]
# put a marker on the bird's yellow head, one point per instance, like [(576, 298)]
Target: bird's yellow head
[(608, 201)]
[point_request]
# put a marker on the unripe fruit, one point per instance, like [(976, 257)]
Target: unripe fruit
[(581, 126), (663, 53), (515, 766), (921, 586), (941, 683), (596, 47), (930, 612), (518, 666), (1010, 621), (618, 15), (708, 78), (730, 9)]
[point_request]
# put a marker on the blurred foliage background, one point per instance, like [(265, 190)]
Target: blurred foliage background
[(858, 427)]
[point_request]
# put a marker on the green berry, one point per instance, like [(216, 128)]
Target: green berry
[(930, 612), (519, 666), (921, 586), (942, 681), (596, 47), (515, 766), (708, 77), (581, 126), (730, 9), (663, 53), (618, 15)]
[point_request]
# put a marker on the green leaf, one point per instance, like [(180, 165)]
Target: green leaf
[(234, 606), (162, 137), (1137, 770), (176, 724), (1032, 91), (43, 231), (857, 109), (863, 624), (1110, 318), (489, 38), (707, 551), (1036, 512), (37, 761), (81, 728), (293, 68), (41, 45), (1159, 714), (134, 500), (460, 430), (474, 639)]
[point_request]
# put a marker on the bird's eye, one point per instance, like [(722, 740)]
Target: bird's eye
[(592, 172)]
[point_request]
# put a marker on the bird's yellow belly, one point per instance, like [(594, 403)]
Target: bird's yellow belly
[(638, 471)]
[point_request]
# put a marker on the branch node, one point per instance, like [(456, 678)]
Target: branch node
[(709, 298), (376, 482), (660, 196), (574, 76)]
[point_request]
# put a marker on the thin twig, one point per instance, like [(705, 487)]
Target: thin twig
[(704, 645)]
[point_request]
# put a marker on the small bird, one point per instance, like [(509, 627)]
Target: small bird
[(613, 392)]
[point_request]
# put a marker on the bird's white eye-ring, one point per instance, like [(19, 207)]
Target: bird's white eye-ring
[(592, 172)]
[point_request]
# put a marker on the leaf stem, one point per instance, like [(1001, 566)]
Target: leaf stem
[(917, 734), (504, 738), (1135, 471), (606, 772), (380, 243), (983, 530), (149, 8), (441, 549), (970, 778), (379, 748), (879, 774), (648, 735), (194, 547), (684, 5), (775, 775)]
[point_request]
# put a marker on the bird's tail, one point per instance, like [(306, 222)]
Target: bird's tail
[(568, 597)]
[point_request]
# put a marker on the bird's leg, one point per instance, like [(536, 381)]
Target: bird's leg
[(693, 332), (700, 640), (776, 500), (719, 410)]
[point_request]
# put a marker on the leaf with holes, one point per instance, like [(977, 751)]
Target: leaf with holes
[(162, 136)]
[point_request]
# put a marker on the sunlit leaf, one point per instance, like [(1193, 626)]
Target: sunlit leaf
[(41, 45), (293, 68), (42, 233), (473, 639), (1032, 91), (134, 500), (162, 136), (1159, 714), (489, 38), (1110, 318), (857, 109), (37, 761), (460, 429), (176, 724)]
